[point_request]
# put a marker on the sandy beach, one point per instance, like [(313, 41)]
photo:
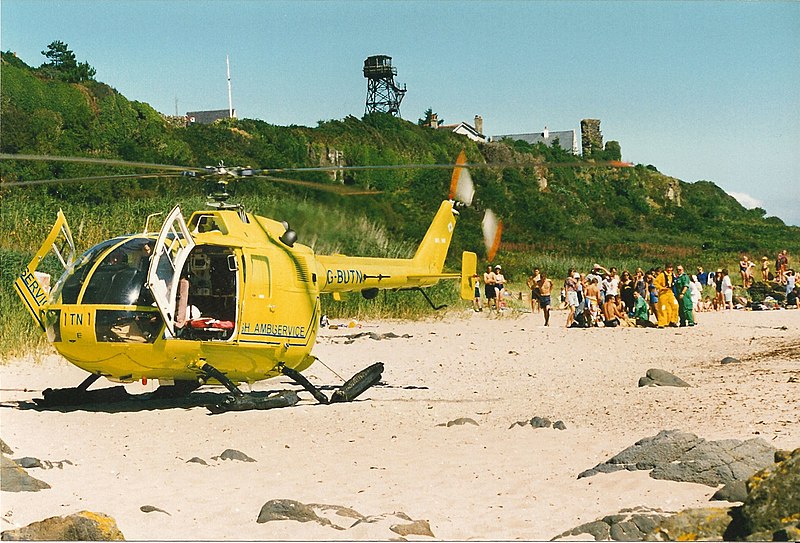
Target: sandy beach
[(391, 450)]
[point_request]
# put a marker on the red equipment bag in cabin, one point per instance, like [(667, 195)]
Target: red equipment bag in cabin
[(207, 323)]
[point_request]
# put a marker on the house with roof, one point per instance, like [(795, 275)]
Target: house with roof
[(473, 132), (567, 139)]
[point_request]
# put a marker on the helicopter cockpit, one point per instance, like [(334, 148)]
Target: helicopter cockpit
[(115, 273)]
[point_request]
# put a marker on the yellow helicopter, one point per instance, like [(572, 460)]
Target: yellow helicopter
[(225, 296)]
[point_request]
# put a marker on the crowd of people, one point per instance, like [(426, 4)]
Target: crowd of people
[(658, 298)]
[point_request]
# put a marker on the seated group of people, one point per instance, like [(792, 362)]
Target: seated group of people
[(612, 312)]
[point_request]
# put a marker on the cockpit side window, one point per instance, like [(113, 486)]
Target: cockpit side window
[(120, 277), (71, 281)]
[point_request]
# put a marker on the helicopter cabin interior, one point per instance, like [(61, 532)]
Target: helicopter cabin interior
[(206, 301)]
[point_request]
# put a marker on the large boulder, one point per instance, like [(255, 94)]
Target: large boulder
[(683, 457), (773, 503), (627, 525), (82, 526), (770, 512), (662, 378), (13, 478), (704, 524)]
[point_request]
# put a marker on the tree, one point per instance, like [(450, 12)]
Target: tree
[(64, 66), (613, 150), (429, 117)]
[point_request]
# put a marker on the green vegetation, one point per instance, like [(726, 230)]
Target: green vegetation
[(555, 216)]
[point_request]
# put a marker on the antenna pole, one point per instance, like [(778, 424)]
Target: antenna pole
[(230, 96)]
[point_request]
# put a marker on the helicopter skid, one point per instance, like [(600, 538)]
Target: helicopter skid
[(250, 401), (358, 383)]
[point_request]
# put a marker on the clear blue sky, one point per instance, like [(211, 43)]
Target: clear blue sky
[(701, 90)]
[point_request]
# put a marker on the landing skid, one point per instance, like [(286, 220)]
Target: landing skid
[(239, 401), (235, 401)]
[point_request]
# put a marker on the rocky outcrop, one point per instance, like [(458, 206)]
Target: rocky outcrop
[(627, 525), (770, 512), (459, 422), (233, 454), (83, 526), (678, 456), (707, 524), (343, 518), (540, 422), (772, 506), (13, 478)]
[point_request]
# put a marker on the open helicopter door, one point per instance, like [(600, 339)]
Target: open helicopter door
[(34, 286), (169, 255)]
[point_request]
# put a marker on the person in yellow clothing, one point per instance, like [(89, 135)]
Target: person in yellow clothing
[(667, 304)]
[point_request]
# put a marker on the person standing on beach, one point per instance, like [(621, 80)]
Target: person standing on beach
[(781, 264), (764, 269), (727, 290), (571, 288), (667, 304), (499, 284), (545, 290), (685, 305), (476, 285), (790, 281), (746, 269), (533, 285), (719, 301), (489, 288)]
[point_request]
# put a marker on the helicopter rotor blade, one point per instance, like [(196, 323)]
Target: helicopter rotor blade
[(572, 164), (492, 228), (92, 178), (102, 161), (462, 188), (343, 190)]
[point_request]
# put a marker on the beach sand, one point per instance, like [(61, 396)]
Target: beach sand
[(390, 451)]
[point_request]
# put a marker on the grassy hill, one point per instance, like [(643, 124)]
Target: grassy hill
[(555, 216)]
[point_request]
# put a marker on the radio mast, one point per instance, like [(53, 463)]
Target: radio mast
[(230, 96)]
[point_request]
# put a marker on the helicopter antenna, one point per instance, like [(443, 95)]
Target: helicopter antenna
[(230, 96)]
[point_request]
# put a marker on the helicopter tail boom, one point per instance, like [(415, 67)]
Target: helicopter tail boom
[(344, 273)]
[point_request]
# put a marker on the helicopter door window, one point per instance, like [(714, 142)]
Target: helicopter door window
[(169, 256)]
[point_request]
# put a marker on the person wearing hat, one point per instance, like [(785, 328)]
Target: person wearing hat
[(764, 269), (500, 283)]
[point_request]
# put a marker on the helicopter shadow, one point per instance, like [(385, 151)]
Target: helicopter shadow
[(134, 403), (120, 401)]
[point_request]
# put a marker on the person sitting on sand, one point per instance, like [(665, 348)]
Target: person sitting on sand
[(641, 313), (793, 299), (610, 312)]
